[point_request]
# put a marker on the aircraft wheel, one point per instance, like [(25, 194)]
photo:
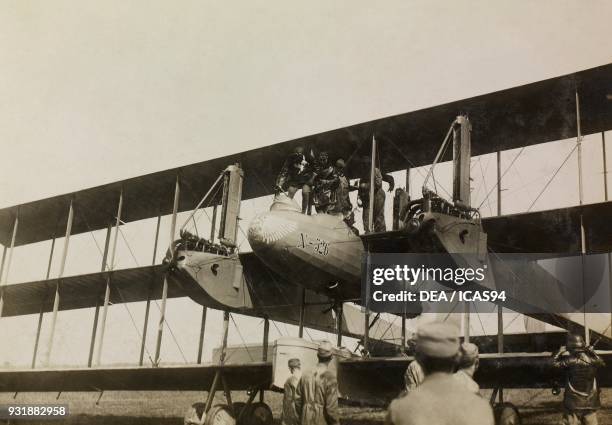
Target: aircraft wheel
[(259, 414), (238, 408), (220, 415), (507, 414), (195, 414)]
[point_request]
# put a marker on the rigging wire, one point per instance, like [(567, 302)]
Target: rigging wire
[(166, 322), (501, 177), (83, 215), (552, 177)]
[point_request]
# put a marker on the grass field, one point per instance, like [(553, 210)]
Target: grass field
[(168, 408)]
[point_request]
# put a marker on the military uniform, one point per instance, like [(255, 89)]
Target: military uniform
[(379, 200), (441, 399), (581, 396), (414, 376), (290, 415), (317, 393), (467, 366)]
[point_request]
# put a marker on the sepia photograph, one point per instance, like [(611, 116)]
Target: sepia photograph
[(305, 213)]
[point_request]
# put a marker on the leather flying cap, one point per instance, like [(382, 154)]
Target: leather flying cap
[(438, 339)]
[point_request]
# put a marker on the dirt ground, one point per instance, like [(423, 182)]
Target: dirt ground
[(168, 408)]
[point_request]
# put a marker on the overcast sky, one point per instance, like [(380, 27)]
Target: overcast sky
[(94, 92)]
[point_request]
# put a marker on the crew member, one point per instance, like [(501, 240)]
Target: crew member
[(317, 392), (440, 399), (414, 376), (379, 195), (343, 201), (296, 174), (468, 363), (325, 184), (581, 397), (289, 415)]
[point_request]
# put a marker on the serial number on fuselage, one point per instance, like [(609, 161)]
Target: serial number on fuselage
[(318, 245)]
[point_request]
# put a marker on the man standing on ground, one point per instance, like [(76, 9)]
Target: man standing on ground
[(581, 397), (289, 415), (440, 399), (317, 393), (468, 363)]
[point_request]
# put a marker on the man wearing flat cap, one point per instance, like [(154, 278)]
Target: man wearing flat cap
[(317, 392), (289, 415), (441, 399), (468, 363)]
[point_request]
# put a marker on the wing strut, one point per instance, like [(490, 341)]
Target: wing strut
[(3, 273), (148, 306), (108, 281), (56, 299), (40, 315), (162, 317)]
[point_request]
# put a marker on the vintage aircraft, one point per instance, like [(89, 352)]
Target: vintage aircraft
[(323, 250)]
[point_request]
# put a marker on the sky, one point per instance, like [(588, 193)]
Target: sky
[(94, 92)]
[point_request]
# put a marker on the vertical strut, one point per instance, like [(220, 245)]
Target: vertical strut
[(202, 329), (107, 289), (148, 305), (500, 308), (339, 314), (40, 315), (264, 356), (61, 274), (302, 313), (94, 328), (6, 269), (466, 322), (587, 333), (372, 178), (162, 317)]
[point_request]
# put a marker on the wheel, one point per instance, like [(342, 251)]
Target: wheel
[(238, 408), (220, 415), (195, 414), (506, 414), (259, 414)]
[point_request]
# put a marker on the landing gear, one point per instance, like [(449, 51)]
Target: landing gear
[(505, 413)]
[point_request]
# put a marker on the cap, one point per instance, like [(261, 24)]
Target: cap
[(325, 350), (438, 339), (469, 354), (340, 163), (575, 341), (294, 363)]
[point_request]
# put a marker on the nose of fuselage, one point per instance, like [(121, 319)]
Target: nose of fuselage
[(269, 229)]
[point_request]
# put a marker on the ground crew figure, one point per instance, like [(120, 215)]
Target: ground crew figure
[(581, 396), (414, 376), (379, 196), (440, 399), (468, 363), (325, 184), (296, 174), (317, 392), (289, 415)]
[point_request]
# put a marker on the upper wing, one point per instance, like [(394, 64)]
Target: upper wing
[(507, 119), (550, 231)]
